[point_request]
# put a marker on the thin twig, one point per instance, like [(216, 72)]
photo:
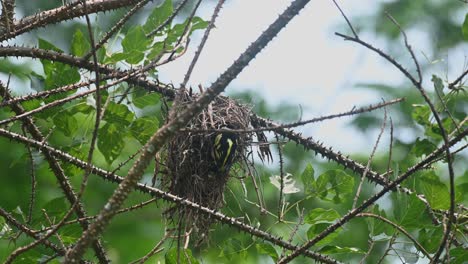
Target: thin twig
[(203, 41)]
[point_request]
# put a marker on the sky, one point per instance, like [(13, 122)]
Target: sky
[(305, 65)]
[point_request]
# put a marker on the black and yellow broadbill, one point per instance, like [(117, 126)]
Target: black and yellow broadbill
[(224, 149)]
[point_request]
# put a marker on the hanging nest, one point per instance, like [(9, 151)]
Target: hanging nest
[(191, 169)]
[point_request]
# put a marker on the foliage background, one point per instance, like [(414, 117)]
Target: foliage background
[(132, 235)]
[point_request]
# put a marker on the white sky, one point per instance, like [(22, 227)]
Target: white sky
[(306, 64)]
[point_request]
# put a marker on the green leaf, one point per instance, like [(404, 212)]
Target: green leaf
[(268, 249), (458, 255), (465, 27), (56, 208), (423, 147), (421, 114), (410, 212), (110, 141), (118, 114), (320, 216), (143, 128), (430, 238), (334, 185), (70, 233), (159, 15), (57, 74), (80, 45), (178, 30), (66, 123), (435, 191), (156, 50), (146, 99), (376, 226), (134, 45), (180, 256), (233, 247), (135, 40), (307, 178), (314, 230)]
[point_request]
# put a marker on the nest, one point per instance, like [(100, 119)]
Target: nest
[(191, 174)]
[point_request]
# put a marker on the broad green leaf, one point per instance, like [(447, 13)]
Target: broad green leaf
[(465, 27), (320, 216), (435, 191), (22, 71), (268, 249), (155, 50), (430, 238), (178, 30), (56, 208), (70, 233), (233, 247), (410, 212), (80, 45), (158, 16), (135, 40), (57, 74), (143, 128), (180, 256), (146, 99), (316, 229), (119, 115), (307, 178), (334, 185), (421, 114), (66, 123), (134, 45), (423, 147), (458, 255), (376, 226), (110, 141)]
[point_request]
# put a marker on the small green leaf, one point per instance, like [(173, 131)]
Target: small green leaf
[(143, 128), (156, 50), (376, 226), (134, 45), (421, 114), (438, 84), (233, 247), (435, 191), (423, 147), (180, 256), (146, 99), (268, 249), (465, 27), (430, 238), (118, 114), (135, 40), (307, 178), (410, 212), (158, 16), (66, 123), (178, 30), (110, 141), (320, 216), (56, 208), (330, 239), (57, 74), (458, 255), (80, 45), (334, 185)]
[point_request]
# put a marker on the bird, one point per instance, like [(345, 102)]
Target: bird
[(224, 150)]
